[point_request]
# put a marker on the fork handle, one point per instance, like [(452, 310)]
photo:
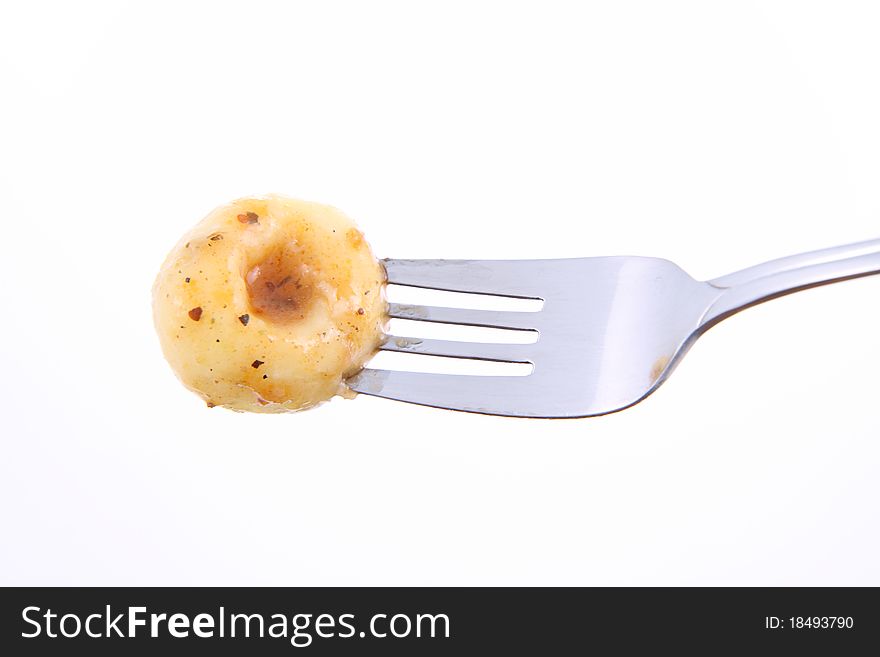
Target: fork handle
[(777, 278)]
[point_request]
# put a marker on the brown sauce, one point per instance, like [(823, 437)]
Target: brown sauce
[(279, 287)]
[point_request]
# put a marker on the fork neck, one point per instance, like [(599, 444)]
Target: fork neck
[(777, 278)]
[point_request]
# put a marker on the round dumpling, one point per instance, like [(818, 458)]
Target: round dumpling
[(269, 304)]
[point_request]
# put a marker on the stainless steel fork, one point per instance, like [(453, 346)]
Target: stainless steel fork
[(610, 330)]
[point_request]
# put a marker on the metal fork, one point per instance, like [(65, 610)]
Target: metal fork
[(610, 331)]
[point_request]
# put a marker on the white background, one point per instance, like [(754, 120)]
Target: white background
[(717, 135)]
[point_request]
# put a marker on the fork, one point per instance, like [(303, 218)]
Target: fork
[(610, 330)]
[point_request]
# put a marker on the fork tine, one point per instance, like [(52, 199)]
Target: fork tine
[(520, 321), (496, 395), (511, 278), (506, 353)]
